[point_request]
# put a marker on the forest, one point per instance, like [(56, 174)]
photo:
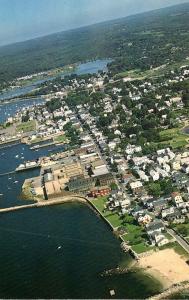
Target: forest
[(143, 42)]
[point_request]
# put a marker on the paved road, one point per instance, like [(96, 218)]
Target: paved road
[(179, 239)]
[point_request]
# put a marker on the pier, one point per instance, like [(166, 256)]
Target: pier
[(7, 173), (44, 203)]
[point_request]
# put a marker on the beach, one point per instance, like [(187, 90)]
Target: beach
[(167, 266)]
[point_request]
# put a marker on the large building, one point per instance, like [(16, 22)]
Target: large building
[(80, 184)]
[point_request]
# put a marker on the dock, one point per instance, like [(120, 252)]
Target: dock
[(42, 146), (44, 203)]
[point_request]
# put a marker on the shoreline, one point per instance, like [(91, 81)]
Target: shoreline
[(147, 265)]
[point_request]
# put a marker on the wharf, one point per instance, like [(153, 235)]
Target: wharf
[(25, 168), (42, 146), (10, 143)]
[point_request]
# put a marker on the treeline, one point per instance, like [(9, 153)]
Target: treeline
[(142, 41)]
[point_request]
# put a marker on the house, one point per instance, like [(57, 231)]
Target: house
[(136, 186), (143, 176), (159, 204), (185, 168), (154, 175), (127, 177), (167, 211), (177, 199), (159, 239), (155, 226), (176, 165), (176, 217), (137, 211), (144, 219)]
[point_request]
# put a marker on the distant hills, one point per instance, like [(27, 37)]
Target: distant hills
[(140, 41)]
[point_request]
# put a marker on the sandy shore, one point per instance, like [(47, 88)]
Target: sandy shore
[(167, 266)]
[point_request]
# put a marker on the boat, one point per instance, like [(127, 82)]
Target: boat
[(16, 156), (59, 247), (1, 195), (28, 165), (16, 181)]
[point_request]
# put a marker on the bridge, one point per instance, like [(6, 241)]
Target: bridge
[(44, 203)]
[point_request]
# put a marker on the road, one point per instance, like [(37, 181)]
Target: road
[(179, 239)]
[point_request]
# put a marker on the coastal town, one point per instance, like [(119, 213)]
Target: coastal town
[(135, 175)]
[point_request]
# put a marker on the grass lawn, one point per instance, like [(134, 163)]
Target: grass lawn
[(168, 236), (26, 126), (174, 138), (142, 247), (61, 139), (114, 219), (99, 203), (134, 232)]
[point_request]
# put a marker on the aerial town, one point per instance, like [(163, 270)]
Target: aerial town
[(134, 170)]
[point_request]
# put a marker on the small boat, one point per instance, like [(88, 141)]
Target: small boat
[(1, 195), (16, 156), (15, 181), (59, 247), (9, 178)]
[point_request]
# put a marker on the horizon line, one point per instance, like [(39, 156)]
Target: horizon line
[(88, 25)]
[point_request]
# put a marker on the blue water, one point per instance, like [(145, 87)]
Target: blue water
[(31, 264), (9, 109), (89, 67)]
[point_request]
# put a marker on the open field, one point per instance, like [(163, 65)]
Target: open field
[(155, 72), (26, 126), (174, 138), (61, 139)]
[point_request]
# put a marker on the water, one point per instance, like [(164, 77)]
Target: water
[(9, 109), (89, 67), (31, 264)]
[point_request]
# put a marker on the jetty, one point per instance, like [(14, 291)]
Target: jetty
[(175, 289), (44, 203)]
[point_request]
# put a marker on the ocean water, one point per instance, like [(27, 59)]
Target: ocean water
[(60, 251)]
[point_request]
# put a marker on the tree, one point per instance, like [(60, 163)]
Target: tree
[(182, 230), (155, 189), (185, 99)]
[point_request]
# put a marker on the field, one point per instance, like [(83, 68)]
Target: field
[(61, 139), (26, 127), (174, 138)]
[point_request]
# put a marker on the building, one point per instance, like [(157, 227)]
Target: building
[(177, 199), (80, 184), (136, 186), (105, 179), (100, 191), (156, 226), (158, 239)]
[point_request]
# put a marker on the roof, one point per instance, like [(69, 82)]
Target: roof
[(153, 226)]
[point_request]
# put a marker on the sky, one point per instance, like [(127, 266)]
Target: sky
[(26, 19)]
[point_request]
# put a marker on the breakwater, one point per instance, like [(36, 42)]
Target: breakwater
[(44, 203), (179, 288)]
